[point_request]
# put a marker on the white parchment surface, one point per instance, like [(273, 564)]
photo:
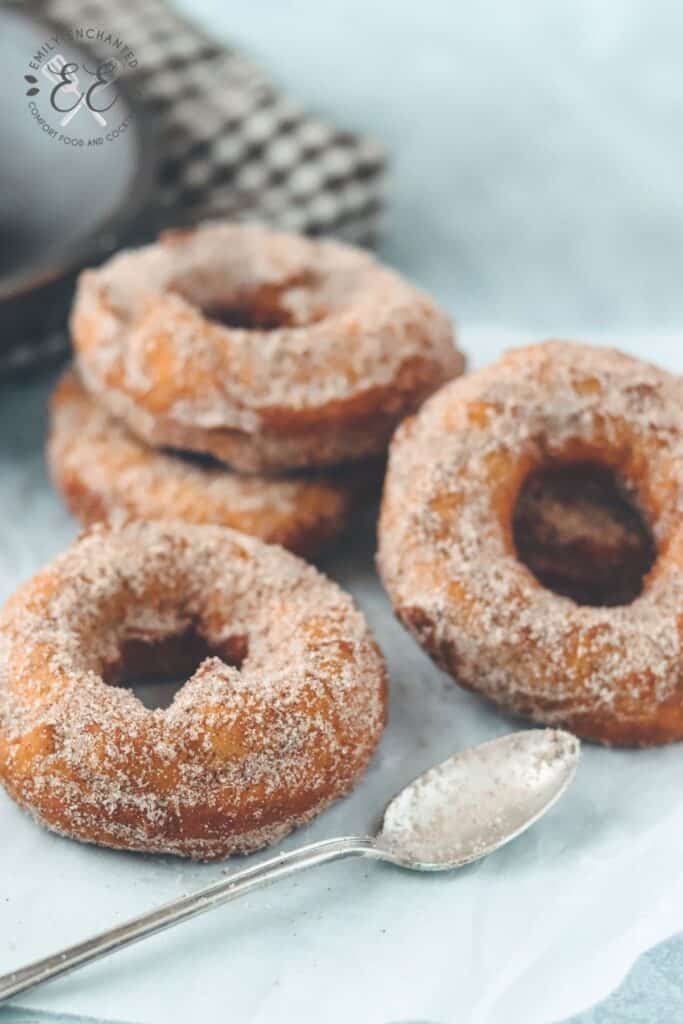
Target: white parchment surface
[(543, 928)]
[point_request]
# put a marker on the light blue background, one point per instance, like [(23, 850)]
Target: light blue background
[(537, 147)]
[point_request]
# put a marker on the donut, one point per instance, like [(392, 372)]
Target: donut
[(103, 471), (279, 719), (447, 553), (265, 350), (580, 537)]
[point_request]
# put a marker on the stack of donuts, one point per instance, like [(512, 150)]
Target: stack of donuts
[(232, 386), (242, 377)]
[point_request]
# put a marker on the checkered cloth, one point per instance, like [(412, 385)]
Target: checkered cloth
[(231, 143)]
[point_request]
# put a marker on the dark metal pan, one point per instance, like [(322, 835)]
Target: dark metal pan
[(63, 204)]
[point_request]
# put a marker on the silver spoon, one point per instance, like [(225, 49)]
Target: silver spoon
[(456, 813)]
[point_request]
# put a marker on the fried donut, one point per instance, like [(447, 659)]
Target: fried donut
[(447, 553), (103, 471), (279, 720), (268, 351), (580, 536)]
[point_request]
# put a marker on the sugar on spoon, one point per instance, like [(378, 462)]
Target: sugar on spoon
[(457, 812)]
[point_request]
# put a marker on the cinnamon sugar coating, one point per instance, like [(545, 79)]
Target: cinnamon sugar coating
[(103, 471), (447, 554), (280, 722), (266, 350)]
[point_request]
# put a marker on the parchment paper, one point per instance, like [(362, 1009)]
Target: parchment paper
[(543, 928)]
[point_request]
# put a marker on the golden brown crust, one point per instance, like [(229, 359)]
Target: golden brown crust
[(320, 353), (103, 471), (278, 723), (448, 559)]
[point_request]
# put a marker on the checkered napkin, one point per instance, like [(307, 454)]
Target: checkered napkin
[(231, 143)]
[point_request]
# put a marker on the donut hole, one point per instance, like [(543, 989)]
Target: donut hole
[(249, 316), (155, 670), (296, 302), (580, 533)]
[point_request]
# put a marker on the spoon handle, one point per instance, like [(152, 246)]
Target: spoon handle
[(237, 884)]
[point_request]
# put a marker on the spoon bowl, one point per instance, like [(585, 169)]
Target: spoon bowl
[(472, 803)]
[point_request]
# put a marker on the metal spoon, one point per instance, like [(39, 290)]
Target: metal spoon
[(456, 813)]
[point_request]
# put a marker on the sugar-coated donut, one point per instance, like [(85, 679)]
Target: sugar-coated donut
[(102, 471), (447, 554), (275, 724), (266, 350)]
